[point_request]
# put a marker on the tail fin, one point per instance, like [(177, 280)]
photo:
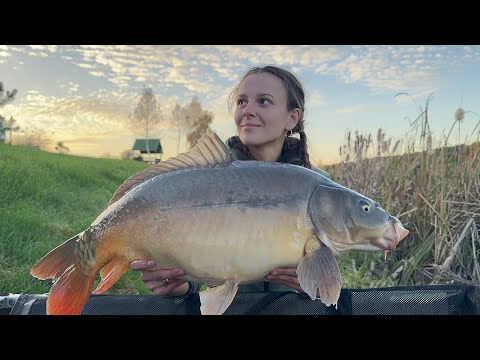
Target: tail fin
[(54, 264), (70, 292)]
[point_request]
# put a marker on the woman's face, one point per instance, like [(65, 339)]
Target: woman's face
[(261, 114)]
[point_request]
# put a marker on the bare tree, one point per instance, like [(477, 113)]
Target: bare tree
[(9, 125), (7, 97), (146, 116), (180, 122)]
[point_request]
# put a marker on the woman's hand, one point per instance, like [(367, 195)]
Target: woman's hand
[(161, 282), (285, 276)]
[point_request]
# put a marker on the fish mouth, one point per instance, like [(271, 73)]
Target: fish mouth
[(391, 237)]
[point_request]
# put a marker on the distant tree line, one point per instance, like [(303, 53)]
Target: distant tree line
[(7, 125), (31, 138), (190, 120)]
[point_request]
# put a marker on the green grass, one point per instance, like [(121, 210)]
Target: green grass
[(47, 198)]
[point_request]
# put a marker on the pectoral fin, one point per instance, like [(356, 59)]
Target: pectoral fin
[(319, 270), (111, 273), (216, 300)]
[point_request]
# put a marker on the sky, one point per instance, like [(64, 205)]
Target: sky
[(83, 94)]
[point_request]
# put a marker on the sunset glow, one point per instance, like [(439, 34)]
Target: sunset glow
[(83, 94)]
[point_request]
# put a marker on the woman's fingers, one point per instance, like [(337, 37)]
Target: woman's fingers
[(159, 288), (142, 264), (161, 274), (159, 281), (285, 276), (284, 271)]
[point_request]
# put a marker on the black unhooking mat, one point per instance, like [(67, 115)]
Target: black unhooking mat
[(402, 300)]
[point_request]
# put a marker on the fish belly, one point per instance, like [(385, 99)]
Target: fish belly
[(235, 221), (215, 244)]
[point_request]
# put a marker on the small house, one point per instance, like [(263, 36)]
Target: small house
[(154, 153)]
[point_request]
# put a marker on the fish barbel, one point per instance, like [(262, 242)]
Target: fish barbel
[(225, 222)]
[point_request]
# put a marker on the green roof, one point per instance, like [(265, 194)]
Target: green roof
[(153, 145)]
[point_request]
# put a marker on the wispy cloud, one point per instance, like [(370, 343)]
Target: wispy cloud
[(50, 48), (359, 108), (316, 99), (198, 68), (95, 87), (102, 112), (3, 56), (387, 68), (72, 115)]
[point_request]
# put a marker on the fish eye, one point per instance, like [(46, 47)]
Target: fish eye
[(366, 207)]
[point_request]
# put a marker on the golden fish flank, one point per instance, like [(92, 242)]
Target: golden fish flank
[(264, 215)]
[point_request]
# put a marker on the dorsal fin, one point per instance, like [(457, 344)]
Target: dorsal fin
[(209, 150)]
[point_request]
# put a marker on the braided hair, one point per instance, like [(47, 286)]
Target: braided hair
[(294, 150)]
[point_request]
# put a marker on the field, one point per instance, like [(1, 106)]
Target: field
[(47, 198)]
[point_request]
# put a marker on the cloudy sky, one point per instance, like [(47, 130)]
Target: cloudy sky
[(84, 93)]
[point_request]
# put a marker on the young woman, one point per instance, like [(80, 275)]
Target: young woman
[(268, 104)]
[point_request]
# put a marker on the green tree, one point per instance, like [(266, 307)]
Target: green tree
[(6, 97), (199, 121), (201, 126), (147, 116), (179, 120)]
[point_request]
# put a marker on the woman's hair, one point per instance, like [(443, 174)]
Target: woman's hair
[(294, 151)]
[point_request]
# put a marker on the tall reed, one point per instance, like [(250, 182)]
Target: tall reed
[(435, 191)]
